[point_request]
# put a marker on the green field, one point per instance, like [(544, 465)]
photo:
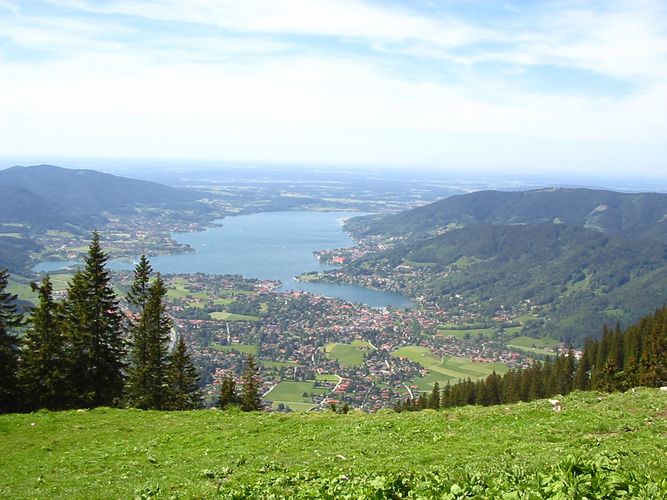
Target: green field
[(291, 394), (592, 447), (178, 292), (542, 346), (448, 369), (279, 364), (512, 330), (348, 354), (232, 317), (242, 348), (223, 302), (21, 286), (472, 333)]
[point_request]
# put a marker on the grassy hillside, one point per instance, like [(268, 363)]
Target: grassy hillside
[(613, 442)]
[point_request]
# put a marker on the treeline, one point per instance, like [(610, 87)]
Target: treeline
[(84, 352), (618, 361)]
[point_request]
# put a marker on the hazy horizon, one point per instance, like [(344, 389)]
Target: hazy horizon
[(180, 172), (546, 88)]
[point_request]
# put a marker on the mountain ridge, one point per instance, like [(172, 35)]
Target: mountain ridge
[(628, 215), (82, 191), (39, 198), (585, 256)]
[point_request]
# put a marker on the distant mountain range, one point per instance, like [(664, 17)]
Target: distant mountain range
[(46, 196), (628, 215), (34, 199), (585, 256)]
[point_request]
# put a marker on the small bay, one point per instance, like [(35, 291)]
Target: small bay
[(267, 245)]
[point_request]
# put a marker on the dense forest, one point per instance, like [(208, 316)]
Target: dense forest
[(580, 277), (618, 361), (85, 351), (627, 215), (584, 257)]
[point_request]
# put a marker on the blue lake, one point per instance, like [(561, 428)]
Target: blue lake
[(271, 245)]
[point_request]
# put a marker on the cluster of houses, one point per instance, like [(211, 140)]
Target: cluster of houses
[(290, 336)]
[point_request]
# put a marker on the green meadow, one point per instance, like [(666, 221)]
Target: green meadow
[(599, 446), (472, 333), (291, 394), (446, 369), (542, 346), (348, 354), (226, 316), (242, 348)]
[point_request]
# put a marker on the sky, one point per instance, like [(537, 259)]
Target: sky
[(499, 86)]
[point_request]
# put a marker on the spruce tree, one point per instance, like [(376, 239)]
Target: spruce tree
[(43, 370), (228, 396), (10, 319), (434, 398), (158, 329), (150, 328), (250, 398), (137, 296), (137, 386), (183, 380), (94, 332)]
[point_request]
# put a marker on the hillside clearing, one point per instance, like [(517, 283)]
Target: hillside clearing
[(126, 453)]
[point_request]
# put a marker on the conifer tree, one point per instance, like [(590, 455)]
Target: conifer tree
[(493, 389), (228, 396), (158, 329), (43, 370), (583, 371), (93, 330), (137, 386), (150, 329), (137, 296), (250, 398), (183, 380), (434, 398), (446, 397), (9, 347)]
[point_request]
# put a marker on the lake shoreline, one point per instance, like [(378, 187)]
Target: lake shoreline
[(264, 245)]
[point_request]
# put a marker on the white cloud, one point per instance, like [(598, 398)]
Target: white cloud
[(257, 97)]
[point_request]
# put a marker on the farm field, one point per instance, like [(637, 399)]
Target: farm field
[(471, 333), (598, 446), (242, 348), (542, 346), (21, 286), (291, 394), (348, 354), (444, 370), (232, 317)]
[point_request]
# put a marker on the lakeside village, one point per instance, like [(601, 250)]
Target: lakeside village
[(330, 350)]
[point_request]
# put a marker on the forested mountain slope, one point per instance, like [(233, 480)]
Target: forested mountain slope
[(48, 196), (40, 198), (629, 215), (580, 278)]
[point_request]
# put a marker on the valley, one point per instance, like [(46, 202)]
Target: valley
[(378, 319), (301, 250)]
